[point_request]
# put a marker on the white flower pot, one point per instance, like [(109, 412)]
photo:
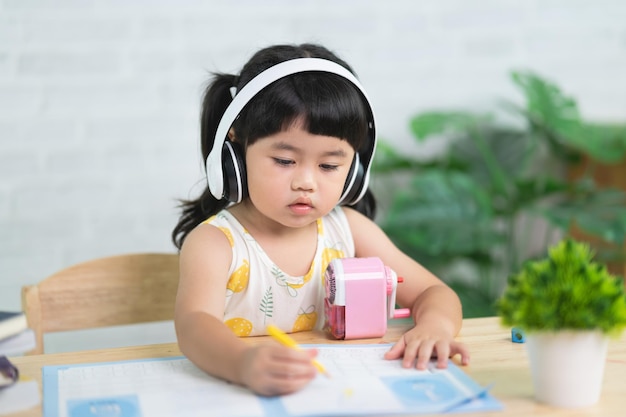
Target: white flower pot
[(567, 367)]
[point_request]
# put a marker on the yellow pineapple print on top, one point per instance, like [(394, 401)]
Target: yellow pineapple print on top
[(305, 279), (224, 230), (238, 280), (306, 320), (239, 326), (294, 302), (228, 234)]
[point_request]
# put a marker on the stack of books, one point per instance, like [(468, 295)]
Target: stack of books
[(16, 338)]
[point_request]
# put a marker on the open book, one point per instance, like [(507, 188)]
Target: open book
[(362, 383)]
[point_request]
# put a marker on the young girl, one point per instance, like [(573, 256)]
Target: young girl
[(288, 144)]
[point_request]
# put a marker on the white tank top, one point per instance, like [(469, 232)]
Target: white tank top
[(259, 293)]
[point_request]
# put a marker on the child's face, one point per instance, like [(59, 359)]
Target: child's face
[(295, 177)]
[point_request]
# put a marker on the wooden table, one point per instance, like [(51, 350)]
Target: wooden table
[(494, 359)]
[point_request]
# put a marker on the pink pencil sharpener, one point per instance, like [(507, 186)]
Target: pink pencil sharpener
[(360, 298)]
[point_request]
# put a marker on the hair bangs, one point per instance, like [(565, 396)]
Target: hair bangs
[(322, 103)]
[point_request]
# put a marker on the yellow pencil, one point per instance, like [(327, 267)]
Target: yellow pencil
[(284, 339)]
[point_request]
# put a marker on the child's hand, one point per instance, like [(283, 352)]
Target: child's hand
[(276, 370), (423, 343)]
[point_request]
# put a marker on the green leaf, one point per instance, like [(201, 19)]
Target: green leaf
[(508, 148), (604, 143), (602, 213), (557, 116), (546, 103), (533, 192), (442, 213), (427, 124)]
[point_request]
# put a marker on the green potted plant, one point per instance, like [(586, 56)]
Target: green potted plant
[(569, 306), (497, 193)]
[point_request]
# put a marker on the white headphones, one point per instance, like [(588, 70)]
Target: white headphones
[(225, 164)]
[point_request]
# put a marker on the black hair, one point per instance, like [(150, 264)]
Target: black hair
[(325, 103)]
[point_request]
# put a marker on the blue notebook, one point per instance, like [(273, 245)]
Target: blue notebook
[(362, 383)]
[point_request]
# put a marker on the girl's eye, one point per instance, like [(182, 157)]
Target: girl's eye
[(284, 162), (328, 167)]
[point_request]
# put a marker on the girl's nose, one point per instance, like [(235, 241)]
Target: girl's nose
[(303, 179)]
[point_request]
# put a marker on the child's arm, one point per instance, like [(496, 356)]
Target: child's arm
[(435, 307), (268, 369)]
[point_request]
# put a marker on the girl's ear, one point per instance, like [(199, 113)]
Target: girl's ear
[(231, 134)]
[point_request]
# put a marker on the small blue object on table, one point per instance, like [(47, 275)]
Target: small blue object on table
[(517, 335)]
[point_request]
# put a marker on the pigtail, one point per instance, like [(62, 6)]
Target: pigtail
[(216, 99)]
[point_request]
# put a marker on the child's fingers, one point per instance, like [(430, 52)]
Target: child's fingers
[(312, 353), (425, 353), (294, 370), (443, 353), (420, 352), (396, 351), (461, 349), (285, 354)]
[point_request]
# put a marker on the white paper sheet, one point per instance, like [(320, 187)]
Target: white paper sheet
[(362, 383)]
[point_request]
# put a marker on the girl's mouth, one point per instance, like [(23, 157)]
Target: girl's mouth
[(301, 208)]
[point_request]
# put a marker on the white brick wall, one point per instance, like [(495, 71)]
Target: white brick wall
[(99, 99)]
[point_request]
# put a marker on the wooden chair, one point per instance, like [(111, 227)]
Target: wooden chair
[(111, 291)]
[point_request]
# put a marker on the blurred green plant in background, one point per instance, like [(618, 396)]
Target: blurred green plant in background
[(499, 193)]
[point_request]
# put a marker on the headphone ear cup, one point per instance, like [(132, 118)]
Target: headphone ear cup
[(354, 182), (234, 171)]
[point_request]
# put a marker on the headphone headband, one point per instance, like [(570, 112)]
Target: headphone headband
[(214, 159)]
